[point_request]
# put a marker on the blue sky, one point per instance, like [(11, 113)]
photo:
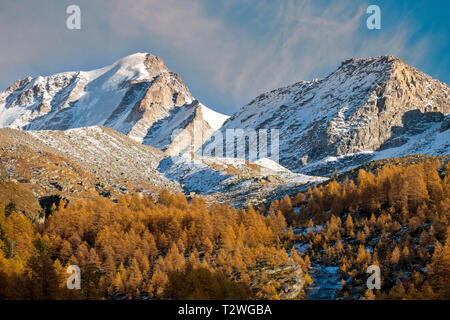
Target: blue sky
[(227, 52)]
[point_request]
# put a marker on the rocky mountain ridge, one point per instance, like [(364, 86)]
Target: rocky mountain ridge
[(367, 108)]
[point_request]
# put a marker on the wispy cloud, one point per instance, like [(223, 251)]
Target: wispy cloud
[(304, 40), (231, 50)]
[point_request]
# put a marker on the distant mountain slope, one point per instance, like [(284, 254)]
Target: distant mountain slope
[(79, 162), (32, 171), (109, 154), (367, 108), (230, 180), (135, 96)]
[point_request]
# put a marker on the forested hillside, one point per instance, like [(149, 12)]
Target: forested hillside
[(397, 218), (135, 248)]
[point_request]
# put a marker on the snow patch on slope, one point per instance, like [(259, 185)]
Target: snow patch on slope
[(270, 164), (214, 119)]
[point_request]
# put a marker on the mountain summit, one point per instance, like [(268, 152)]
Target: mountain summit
[(367, 108), (136, 95)]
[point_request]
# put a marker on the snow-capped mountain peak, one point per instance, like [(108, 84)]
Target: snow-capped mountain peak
[(132, 67), (362, 108), (134, 95)]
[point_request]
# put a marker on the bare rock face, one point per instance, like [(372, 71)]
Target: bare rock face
[(366, 108), (183, 130), (131, 96), (164, 93), (406, 99)]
